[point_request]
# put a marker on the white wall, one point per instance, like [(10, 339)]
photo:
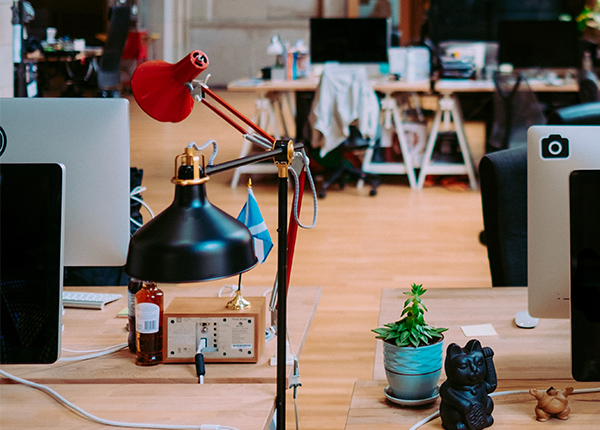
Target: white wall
[(6, 65)]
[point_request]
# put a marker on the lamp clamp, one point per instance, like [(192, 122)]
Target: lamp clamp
[(283, 159), (190, 158)]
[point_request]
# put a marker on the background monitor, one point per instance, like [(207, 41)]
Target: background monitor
[(536, 44), (31, 265), (90, 137), (477, 20), (349, 40)]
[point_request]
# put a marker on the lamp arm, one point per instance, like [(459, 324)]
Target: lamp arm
[(249, 159), (236, 113)]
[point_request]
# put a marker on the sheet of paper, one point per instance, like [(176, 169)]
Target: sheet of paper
[(479, 330)]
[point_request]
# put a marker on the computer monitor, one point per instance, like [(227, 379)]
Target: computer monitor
[(349, 40), (31, 261), (90, 137), (539, 44), (563, 236)]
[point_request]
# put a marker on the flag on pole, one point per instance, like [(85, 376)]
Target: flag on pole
[(252, 218)]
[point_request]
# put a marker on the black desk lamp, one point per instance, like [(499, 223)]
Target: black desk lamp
[(192, 240)]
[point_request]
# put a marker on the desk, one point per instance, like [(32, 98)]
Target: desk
[(247, 407), (92, 329), (524, 359), (449, 111), (272, 95)]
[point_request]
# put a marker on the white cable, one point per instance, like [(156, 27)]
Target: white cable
[(501, 393), (89, 351), (95, 354), (91, 417), (297, 193)]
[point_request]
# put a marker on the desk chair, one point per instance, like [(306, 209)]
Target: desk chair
[(588, 87), (107, 69), (516, 108), (581, 114), (503, 176), (343, 117)]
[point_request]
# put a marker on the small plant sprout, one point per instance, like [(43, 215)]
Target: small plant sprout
[(411, 329)]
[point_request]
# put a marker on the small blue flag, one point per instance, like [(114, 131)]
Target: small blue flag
[(252, 218)]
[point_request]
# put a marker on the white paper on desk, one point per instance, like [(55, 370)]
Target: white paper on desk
[(479, 330)]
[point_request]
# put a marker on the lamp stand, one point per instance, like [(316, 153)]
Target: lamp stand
[(281, 299)]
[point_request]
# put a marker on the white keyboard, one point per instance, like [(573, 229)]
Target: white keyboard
[(78, 299)]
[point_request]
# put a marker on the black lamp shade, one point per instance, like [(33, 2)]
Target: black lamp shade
[(191, 240)]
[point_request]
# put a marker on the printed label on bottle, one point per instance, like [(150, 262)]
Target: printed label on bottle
[(146, 318)]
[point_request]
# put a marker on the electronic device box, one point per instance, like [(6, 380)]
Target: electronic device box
[(226, 336)]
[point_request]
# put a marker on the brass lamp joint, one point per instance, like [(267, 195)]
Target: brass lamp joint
[(283, 160), (190, 158)]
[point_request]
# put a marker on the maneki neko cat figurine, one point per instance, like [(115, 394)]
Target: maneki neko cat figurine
[(471, 377)]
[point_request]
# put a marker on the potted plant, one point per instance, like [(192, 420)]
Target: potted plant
[(412, 351)]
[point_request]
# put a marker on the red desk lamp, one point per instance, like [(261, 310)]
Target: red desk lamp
[(192, 240)]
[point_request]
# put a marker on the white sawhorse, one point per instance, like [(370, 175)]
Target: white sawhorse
[(264, 117), (390, 117), (448, 110)]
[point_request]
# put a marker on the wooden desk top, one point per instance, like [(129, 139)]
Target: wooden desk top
[(310, 84), (369, 409), (539, 353), (247, 407), (524, 359), (93, 329), (444, 86)]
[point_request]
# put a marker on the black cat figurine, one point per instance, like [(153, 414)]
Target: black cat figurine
[(471, 377)]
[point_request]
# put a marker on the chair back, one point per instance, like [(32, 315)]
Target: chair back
[(109, 75), (581, 114), (516, 108), (503, 176)]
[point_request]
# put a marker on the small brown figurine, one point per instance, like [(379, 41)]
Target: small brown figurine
[(552, 403)]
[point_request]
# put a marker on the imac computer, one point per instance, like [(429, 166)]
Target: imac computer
[(563, 237), (90, 137), (350, 41), (45, 145)]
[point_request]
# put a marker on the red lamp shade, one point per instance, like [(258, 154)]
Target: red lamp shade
[(158, 86)]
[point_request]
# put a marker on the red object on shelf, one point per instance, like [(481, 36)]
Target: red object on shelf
[(136, 46), (159, 88)]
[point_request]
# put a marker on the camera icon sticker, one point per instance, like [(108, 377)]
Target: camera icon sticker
[(555, 146)]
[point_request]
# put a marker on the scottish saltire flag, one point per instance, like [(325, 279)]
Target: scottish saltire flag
[(252, 218)]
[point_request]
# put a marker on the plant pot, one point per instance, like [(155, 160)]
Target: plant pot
[(413, 373)]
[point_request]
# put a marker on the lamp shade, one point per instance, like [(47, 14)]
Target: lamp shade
[(158, 86), (191, 240)]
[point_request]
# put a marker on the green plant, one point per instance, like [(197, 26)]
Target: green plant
[(411, 330)]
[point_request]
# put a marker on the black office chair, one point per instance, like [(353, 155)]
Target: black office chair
[(103, 74), (503, 176), (581, 114), (588, 87), (344, 107), (516, 108)]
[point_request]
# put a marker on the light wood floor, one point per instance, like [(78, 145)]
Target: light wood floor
[(360, 245)]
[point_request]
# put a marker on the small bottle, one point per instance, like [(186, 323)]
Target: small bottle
[(132, 288), (148, 325)]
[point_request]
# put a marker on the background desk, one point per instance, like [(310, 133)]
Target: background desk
[(524, 359), (87, 329)]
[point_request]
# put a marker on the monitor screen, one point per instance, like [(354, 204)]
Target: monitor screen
[(349, 40), (90, 137), (31, 266), (584, 196), (539, 44), (477, 20)]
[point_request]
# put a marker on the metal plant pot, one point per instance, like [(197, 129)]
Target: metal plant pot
[(413, 373)]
